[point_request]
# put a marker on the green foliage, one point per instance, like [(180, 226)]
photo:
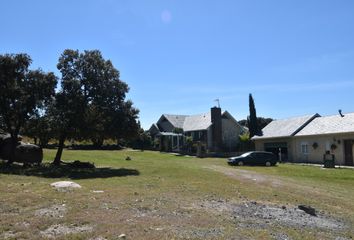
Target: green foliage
[(23, 92), (261, 121), (143, 140), (39, 128), (252, 118), (245, 143), (245, 137), (91, 103), (189, 140), (178, 130), (189, 143)]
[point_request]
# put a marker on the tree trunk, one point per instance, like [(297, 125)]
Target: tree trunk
[(57, 159)]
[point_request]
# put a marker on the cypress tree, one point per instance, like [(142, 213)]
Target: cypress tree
[(252, 119)]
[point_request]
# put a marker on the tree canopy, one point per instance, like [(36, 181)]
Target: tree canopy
[(23, 92), (91, 102)]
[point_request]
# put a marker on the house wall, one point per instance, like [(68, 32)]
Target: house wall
[(209, 138), (230, 133), (165, 125), (200, 135), (324, 142)]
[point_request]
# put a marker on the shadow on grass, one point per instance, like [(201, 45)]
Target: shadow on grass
[(66, 171)]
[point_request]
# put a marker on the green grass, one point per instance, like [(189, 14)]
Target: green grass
[(158, 191)]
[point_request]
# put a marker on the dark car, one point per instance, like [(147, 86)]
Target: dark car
[(254, 158)]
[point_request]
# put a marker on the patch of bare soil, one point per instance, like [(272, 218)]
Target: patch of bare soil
[(60, 230), (8, 235), (197, 233), (55, 211), (241, 174), (260, 216), (7, 209)]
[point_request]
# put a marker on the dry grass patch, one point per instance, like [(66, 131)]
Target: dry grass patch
[(173, 197)]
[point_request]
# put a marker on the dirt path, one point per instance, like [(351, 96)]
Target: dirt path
[(246, 175), (253, 177)]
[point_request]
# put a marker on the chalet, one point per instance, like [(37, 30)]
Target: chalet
[(213, 131)]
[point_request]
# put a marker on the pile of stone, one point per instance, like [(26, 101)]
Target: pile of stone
[(24, 153)]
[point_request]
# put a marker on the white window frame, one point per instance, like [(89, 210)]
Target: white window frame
[(304, 148)]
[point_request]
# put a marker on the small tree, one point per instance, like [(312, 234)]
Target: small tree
[(23, 93), (252, 118), (189, 143), (245, 141)]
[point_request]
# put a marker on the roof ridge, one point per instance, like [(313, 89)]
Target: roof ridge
[(294, 117), (334, 115)]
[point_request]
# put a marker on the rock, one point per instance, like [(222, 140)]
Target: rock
[(28, 154), (24, 153), (308, 209), (65, 184), (123, 236)]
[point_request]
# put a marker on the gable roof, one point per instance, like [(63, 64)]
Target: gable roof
[(176, 120), (197, 122), (194, 122), (329, 125), (285, 127), (154, 129)]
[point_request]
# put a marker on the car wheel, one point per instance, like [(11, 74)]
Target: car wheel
[(268, 164), (240, 163)]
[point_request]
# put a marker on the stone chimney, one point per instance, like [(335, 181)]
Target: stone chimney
[(216, 128)]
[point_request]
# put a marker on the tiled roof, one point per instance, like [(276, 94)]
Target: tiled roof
[(285, 127), (176, 120), (329, 125), (193, 122), (197, 122)]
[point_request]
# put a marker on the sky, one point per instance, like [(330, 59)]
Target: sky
[(178, 56)]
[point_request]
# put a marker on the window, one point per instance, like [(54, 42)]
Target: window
[(328, 146), (304, 148)]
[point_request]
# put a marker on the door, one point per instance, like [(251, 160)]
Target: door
[(348, 152), (274, 148)]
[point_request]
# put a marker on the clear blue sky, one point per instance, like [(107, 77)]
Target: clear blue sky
[(295, 57)]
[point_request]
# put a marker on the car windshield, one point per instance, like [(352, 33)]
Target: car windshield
[(246, 154)]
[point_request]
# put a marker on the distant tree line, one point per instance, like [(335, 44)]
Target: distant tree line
[(87, 102)]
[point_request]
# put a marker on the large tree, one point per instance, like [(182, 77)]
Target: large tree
[(91, 102), (252, 118), (23, 93)]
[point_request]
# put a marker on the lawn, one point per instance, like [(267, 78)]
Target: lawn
[(162, 196)]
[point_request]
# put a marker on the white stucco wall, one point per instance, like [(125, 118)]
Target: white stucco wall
[(324, 142)]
